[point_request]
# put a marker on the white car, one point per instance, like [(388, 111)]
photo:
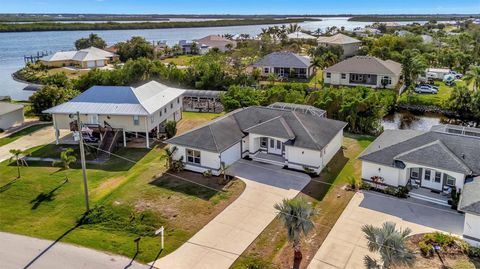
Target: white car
[(456, 75), (425, 89)]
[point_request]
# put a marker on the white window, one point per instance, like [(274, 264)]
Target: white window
[(438, 177), (178, 100), (329, 75), (136, 120), (450, 181), (414, 173), (171, 105), (279, 144), (165, 110), (93, 119), (193, 156), (266, 70), (263, 142), (160, 113), (344, 76), (427, 174), (272, 143), (387, 80)]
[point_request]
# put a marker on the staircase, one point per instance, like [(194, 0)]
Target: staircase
[(110, 139)]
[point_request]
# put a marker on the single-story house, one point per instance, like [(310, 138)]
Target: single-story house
[(470, 205), (121, 109), (216, 41), (285, 64), (86, 58), (193, 47), (364, 71), (300, 36), (10, 115), (365, 32), (288, 135), (349, 45), (440, 160)]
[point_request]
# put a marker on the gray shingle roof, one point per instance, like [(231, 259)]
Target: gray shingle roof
[(309, 131), (366, 65), (436, 149), (338, 39), (470, 199), (284, 59)]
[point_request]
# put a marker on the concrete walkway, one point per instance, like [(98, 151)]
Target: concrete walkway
[(221, 241), (41, 137), (346, 246), (18, 251)]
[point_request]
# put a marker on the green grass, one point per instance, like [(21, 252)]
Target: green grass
[(21, 133), (440, 99), (182, 60), (130, 200)]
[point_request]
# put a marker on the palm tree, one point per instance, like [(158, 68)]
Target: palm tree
[(390, 244), (296, 216), (272, 77), (473, 76), (293, 27), (168, 156), (66, 158), (317, 62), (18, 155), (223, 171)]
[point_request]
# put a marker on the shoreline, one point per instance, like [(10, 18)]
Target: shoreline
[(51, 26)]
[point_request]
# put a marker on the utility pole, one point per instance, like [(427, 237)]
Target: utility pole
[(82, 159)]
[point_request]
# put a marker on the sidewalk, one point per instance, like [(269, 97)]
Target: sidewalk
[(18, 251)]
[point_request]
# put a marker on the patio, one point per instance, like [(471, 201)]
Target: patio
[(429, 196)]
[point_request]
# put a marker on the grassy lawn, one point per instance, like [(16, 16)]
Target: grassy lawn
[(128, 200), (182, 60), (21, 133), (438, 99), (271, 248), (70, 73), (193, 119)]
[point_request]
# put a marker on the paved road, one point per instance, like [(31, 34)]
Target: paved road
[(221, 241), (41, 137), (18, 251), (345, 245)]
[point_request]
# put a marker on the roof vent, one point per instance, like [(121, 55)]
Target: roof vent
[(463, 156)]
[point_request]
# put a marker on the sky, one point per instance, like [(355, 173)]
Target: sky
[(242, 6)]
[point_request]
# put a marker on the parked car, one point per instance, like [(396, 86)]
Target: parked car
[(425, 89), (433, 87), (456, 75)]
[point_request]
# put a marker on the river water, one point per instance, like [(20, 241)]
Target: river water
[(13, 46)]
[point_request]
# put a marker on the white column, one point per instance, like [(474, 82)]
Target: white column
[(57, 132), (124, 139), (146, 133)]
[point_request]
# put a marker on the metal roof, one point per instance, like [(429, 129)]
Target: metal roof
[(9, 107), (120, 100), (300, 35), (88, 54)]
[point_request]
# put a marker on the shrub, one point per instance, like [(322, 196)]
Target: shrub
[(177, 166), (171, 128), (207, 173), (1, 130), (391, 191), (402, 192), (425, 248), (440, 239), (352, 183), (365, 186)]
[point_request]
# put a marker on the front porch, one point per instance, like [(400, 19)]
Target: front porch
[(264, 157), (429, 195)]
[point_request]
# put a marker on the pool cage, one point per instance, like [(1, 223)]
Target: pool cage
[(305, 109)]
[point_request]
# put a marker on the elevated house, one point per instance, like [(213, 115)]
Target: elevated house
[(349, 45), (431, 164), (364, 71), (216, 41), (86, 58), (286, 65), (118, 113), (294, 136)]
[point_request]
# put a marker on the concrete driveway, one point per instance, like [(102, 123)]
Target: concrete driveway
[(41, 137), (18, 251), (346, 246), (222, 240)]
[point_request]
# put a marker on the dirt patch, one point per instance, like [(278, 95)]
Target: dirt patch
[(107, 186)]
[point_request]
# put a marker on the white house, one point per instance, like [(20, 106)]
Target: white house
[(86, 58), (470, 205), (216, 41), (115, 110), (349, 45), (364, 71), (300, 36), (10, 115), (294, 136)]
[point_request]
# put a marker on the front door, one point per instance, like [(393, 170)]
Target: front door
[(432, 179), (274, 146)]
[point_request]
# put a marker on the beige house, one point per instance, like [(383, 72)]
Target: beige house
[(285, 64), (349, 45), (86, 58), (364, 71), (120, 110), (10, 115), (216, 41)]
